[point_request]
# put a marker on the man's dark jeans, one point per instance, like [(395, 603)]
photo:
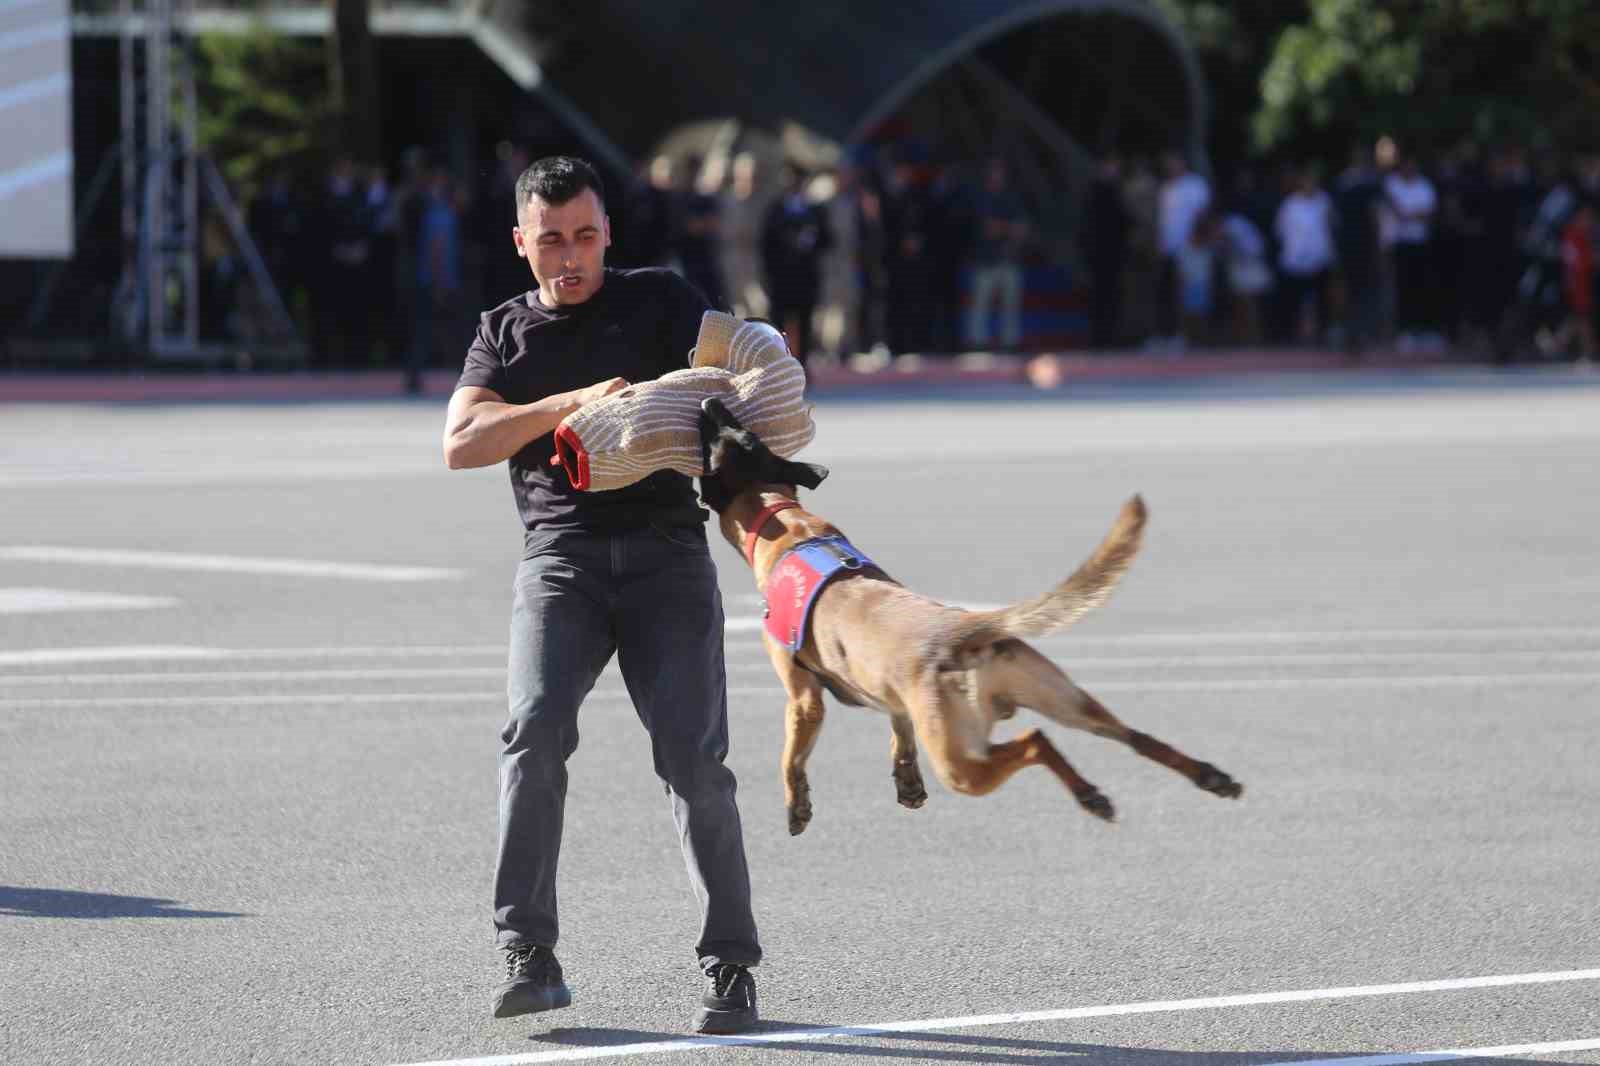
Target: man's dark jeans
[(649, 595)]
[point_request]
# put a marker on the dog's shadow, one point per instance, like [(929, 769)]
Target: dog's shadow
[(953, 1047)]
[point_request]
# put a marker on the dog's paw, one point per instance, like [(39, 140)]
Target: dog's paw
[(1094, 801), (1218, 783), (799, 818), (908, 786)]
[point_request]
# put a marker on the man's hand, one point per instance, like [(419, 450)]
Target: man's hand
[(598, 391)]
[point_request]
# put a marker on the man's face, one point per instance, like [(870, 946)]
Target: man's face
[(565, 245)]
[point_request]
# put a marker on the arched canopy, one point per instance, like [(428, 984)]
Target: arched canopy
[(636, 69)]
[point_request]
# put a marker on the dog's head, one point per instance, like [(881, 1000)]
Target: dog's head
[(737, 461)]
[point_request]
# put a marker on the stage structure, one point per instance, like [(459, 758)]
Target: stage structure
[(36, 113), (167, 184)]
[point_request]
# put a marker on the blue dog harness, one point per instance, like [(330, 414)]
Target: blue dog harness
[(797, 579)]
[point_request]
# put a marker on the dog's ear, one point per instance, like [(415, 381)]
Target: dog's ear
[(803, 475), (714, 411)]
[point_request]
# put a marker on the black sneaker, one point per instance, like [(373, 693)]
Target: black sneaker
[(729, 1005), (533, 983)]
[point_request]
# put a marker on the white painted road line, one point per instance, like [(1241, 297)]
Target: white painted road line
[(257, 701), (740, 645), (231, 676), (497, 696), (228, 473), (1554, 1047), (788, 1036), (37, 600), (1442, 635), (128, 653), (234, 564), (774, 689), (1360, 658), (1396, 681), (412, 673)]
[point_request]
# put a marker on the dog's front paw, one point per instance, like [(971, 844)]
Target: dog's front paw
[(1218, 783), (908, 786), (799, 806)]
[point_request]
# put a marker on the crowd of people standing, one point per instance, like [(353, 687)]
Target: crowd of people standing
[(1384, 252), (897, 254)]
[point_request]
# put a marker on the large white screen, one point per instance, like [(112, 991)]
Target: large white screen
[(35, 128)]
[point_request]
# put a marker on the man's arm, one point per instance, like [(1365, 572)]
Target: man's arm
[(482, 429)]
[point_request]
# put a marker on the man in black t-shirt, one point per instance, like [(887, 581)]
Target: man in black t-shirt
[(625, 572)]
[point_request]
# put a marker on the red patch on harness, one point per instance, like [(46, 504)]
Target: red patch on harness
[(794, 583)]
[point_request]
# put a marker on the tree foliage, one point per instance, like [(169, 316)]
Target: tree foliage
[(264, 104), (1434, 73), (1309, 77)]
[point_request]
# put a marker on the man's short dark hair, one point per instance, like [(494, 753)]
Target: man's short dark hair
[(556, 179)]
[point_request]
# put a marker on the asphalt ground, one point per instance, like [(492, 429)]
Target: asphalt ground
[(251, 677)]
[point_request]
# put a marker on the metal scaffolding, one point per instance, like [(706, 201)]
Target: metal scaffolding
[(163, 171)]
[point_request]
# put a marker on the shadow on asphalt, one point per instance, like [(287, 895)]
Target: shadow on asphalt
[(964, 1047), (59, 903)]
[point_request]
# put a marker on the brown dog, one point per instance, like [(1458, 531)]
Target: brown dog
[(943, 674)]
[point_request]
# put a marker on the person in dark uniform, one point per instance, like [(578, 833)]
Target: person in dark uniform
[(793, 239), (700, 236), (624, 572), (1108, 222)]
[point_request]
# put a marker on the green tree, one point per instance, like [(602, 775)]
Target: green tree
[(1433, 73), (264, 105)]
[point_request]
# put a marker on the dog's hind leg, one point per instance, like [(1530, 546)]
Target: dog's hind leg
[(956, 741), (908, 784), (1029, 679), (802, 722)]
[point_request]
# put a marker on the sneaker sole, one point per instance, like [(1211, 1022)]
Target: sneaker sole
[(723, 1022), (519, 1000)]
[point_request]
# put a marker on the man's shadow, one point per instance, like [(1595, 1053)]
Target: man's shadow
[(965, 1047), (60, 903)]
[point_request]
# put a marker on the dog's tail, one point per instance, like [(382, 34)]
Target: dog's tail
[(1089, 586)]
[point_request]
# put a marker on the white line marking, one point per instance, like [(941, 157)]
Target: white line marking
[(159, 653), (1342, 635), (224, 563), (231, 475), (396, 674), (258, 701), (1055, 641), (1554, 1047), (785, 1036), (768, 690), (284, 700), (413, 673), (125, 653), (1268, 684), (1360, 658), (32, 600)]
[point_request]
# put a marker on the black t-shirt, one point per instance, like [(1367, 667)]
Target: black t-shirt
[(639, 325)]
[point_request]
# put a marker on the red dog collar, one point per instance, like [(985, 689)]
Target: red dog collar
[(763, 516)]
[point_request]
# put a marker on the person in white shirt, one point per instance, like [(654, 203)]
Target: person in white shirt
[(1184, 197), (1305, 238), (1411, 200)]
